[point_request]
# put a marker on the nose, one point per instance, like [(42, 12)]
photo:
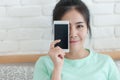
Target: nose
[(73, 32)]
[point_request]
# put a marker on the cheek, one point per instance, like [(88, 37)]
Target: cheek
[(83, 35)]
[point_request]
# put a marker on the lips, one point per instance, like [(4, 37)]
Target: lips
[(73, 41)]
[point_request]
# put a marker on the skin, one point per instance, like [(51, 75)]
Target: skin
[(78, 33)]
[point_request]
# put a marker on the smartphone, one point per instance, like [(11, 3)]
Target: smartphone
[(61, 31)]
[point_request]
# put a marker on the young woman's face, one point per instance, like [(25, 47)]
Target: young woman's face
[(78, 29)]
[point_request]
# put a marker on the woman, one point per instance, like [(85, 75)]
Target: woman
[(79, 63)]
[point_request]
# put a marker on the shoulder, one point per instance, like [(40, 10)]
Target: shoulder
[(43, 60), (102, 57)]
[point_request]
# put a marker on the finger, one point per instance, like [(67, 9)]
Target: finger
[(52, 45), (64, 54), (58, 48), (60, 52), (61, 56)]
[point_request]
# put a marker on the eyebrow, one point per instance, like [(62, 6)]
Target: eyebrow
[(79, 22)]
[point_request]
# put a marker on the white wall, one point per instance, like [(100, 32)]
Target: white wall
[(25, 25)]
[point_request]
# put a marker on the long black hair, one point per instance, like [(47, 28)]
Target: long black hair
[(64, 6)]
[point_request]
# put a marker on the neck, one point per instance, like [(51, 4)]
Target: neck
[(77, 54)]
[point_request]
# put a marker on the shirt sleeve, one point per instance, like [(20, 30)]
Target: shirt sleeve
[(114, 73), (40, 71)]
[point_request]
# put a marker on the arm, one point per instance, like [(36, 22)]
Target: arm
[(56, 75), (57, 56)]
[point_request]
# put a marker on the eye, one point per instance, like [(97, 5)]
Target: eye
[(79, 26)]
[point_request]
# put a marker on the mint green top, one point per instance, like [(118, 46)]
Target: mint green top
[(93, 67)]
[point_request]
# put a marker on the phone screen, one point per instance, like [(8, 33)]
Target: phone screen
[(61, 32)]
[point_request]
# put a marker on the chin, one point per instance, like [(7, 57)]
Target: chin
[(77, 46)]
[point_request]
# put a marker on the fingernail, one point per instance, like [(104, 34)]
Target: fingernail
[(59, 39)]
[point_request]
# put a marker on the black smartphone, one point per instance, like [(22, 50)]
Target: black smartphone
[(61, 31)]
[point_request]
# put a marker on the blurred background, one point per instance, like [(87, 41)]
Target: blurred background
[(26, 27)]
